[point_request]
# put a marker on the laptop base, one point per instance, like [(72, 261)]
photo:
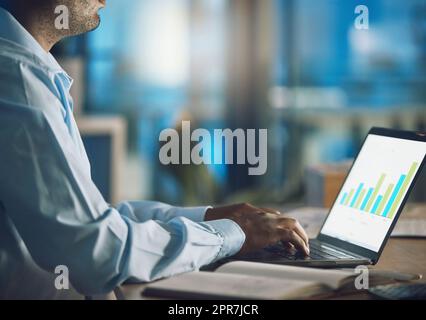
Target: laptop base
[(322, 255)]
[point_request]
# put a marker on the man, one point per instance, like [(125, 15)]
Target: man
[(51, 213)]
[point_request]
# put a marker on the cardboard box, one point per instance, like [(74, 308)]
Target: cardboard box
[(323, 183)]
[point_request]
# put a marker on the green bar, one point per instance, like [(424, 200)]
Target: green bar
[(358, 191), (361, 196), (403, 189), (349, 197), (343, 199), (376, 204), (385, 199), (394, 194), (375, 192)]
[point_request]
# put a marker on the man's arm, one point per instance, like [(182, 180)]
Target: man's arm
[(141, 211), (64, 220)]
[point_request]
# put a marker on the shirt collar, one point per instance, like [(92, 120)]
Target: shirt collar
[(13, 31)]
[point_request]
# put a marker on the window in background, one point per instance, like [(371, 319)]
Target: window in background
[(332, 82), (381, 67), (157, 63), (298, 68)]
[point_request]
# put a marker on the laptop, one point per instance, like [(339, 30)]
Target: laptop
[(367, 207)]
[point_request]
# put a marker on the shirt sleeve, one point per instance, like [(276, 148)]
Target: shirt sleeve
[(63, 219), (150, 210)]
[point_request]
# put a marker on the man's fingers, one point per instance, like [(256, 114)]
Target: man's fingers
[(269, 210), (288, 246), (302, 233), (292, 237), (296, 226)]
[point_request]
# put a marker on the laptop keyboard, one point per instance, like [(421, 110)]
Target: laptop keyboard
[(318, 251)]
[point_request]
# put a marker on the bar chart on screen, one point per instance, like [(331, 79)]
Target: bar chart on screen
[(375, 190), (369, 198)]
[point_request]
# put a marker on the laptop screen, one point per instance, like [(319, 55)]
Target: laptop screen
[(374, 190)]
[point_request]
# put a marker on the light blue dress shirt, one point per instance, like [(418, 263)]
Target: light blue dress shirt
[(51, 213)]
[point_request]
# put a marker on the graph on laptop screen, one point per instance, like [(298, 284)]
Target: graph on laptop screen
[(374, 190)]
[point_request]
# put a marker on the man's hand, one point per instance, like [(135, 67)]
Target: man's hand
[(262, 227)]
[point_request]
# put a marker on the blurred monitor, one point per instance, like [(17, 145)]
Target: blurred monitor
[(104, 140)]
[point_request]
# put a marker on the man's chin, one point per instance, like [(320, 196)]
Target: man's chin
[(96, 22), (81, 28)]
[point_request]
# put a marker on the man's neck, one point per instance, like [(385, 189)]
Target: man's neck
[(42, 36), (39, 26)]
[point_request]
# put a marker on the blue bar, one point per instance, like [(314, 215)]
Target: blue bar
[(343, 198), (367, 197), (394, 194), (357, 194), (376, 204)]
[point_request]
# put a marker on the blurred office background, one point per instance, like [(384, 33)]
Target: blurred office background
[(296, 67)]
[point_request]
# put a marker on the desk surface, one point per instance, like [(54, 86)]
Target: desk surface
[(402, 255)]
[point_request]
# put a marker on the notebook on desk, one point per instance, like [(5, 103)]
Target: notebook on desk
[(253, 280)]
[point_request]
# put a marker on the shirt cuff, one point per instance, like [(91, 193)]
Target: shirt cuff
[(195, 214), (232, 235)]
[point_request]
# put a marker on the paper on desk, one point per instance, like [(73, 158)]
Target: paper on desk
[(410, 228)]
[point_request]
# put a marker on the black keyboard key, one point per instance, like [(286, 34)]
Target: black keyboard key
[(408, 291), (313, 255), (318, 251)]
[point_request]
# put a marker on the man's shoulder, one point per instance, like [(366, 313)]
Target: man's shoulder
[(24, 76), (15, 54)]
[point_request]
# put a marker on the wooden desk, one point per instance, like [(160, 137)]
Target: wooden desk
[(401, 255), (404, 255)]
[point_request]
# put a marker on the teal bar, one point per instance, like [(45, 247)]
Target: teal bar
[(405, 185), (394, 194), (367, 197), (343, 198), (376, 204), (356, 195), (349, 197)]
